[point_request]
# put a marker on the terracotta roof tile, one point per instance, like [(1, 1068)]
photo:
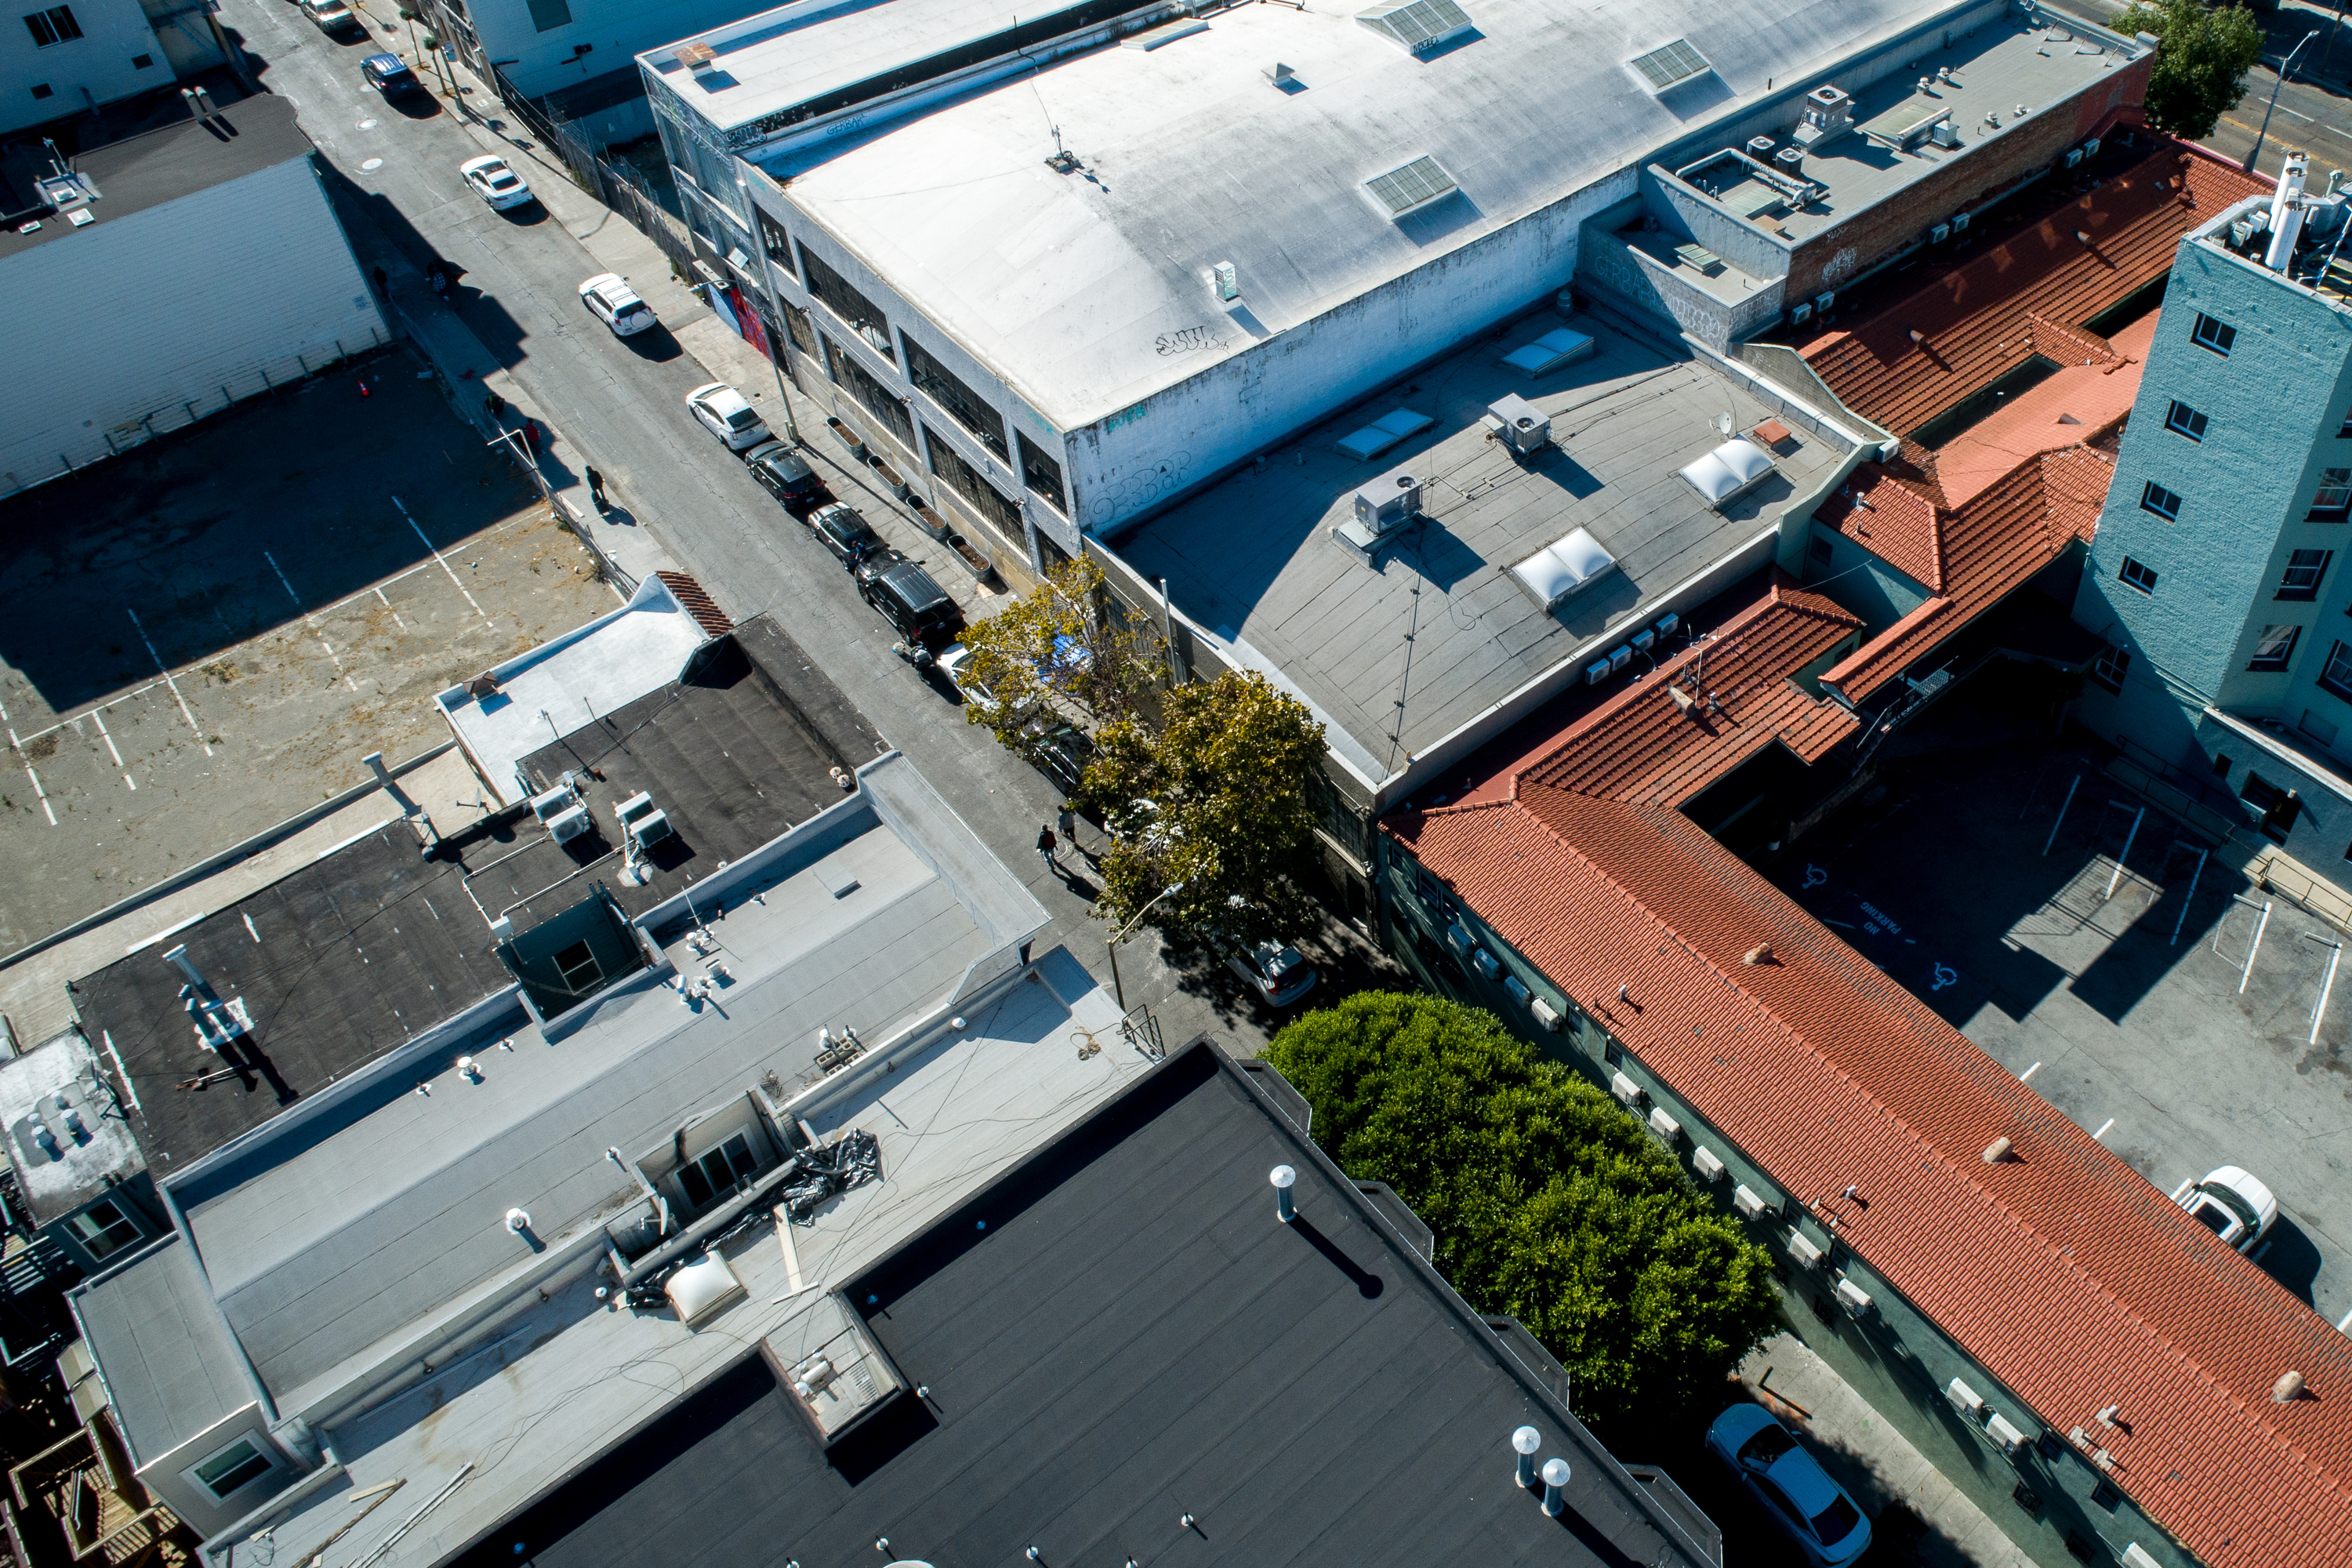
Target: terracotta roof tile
[(696, 603), (1892, 519)]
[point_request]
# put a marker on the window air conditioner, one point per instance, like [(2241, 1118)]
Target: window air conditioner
[(1546, 1013), (1800, 315), (1627, 1091), (1486, 964), (1964, 1400), (1665, 1126), (1709, 1164), (2010, 1440), (1747, 1204), (1516, 989), (1854, 1299), (1802, 1248)]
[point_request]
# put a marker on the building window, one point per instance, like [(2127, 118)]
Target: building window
[(2155, 498), (1613, 1054), (859, 313), (772, 240), (2186, 420), (963, 404), (42, 89), (796, 321), (141, 62), (2316, 725), (878, 399), (1042, 473), (232, 1469), (2109, 668), (2209, 333), (714, 1175), (2345, 430), (2333, 495), (2274, 649), (2221, 761), (549, 15), (1821, 553), (1792, 1211), (2107, 1497), (103, 1228), (2135, 575), (1002, 513), (2337, 677), (2304, 568), (55, 26)]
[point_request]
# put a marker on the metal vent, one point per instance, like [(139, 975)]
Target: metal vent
[(1417, 27), (1410, 188), (1670, 64)]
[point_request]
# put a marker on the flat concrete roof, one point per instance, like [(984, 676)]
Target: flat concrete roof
[(63, 1090), (172, 1371), (1439, 625)]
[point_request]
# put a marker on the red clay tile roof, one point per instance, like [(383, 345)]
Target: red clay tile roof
[(696, 602), (2061, 1272), (1892, 519), (2027, 294)]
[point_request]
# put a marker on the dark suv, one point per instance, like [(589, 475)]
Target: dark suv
[(390, 75), (840, 529), (905, 596), (785, 474)]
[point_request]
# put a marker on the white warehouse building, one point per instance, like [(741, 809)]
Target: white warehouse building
[(1072, 273)]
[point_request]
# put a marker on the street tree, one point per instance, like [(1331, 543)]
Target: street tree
[(1548, 1202), (1215, 798), (1065, 653), (2202, 60)]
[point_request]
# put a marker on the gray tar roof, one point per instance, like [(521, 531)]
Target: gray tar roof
[(170, 1368), (158, 166), (1193, 157), (1117, 1333), (1440, 625)]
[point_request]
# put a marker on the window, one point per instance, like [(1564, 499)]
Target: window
[(55, 26), (2221, 762), (1792, 1211), (1823, 552), (2344, 430), (549, 15), (1042, 473), (2136, 575), (141, 62), (2335, 492), (2109, 668), (2155, 498), (2186, 420), (2260, 793), (2274, 649), (2107, 1497), (103, 1228), (963, 404), (2318, 726), (577, 964), (878, 399), (2304, 568), (1613, 1054), (796, 321), (860, 314), (2337, 676), (42, 89), (1002, 513), (772, 240), (2209, 333), (232, 1469), (714, 1175)]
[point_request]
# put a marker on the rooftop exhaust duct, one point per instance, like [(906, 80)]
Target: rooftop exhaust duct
[(1555, 1480), (2286, 213), (178, 958), (1525, 1442), (1284, 1178)]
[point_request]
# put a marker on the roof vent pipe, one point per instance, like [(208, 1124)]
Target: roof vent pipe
[(1554, 1477), (178, 958), (1998, 1150), (1284, 1178), (2288, 1389), (1525, 1441), (2286, 213)]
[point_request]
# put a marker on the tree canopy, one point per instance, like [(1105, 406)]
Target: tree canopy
[(2202, 60), (1215, 799), (1065, 652), (1548, 1202)]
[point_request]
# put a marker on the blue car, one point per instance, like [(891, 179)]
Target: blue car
[(1794, 1490)]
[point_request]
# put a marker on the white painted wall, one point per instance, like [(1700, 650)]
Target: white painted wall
[(153, 320), (616, 32), (114, 33)]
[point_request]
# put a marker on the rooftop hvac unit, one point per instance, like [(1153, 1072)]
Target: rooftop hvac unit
[(1789, 160), (1959, 222), (1596, 673), (1854, 1299), (646, 823), (1545, 1012), (1964, 1400), (2011, 1440), (1627, 1091), (2074, 157), (1708, 1162), (1761, 147), (1516, 988), (1940, 233), (1746, 1204), (1802, 1248), (1665, 1126), (1486, 964), (1668, 623), (1619, 657), (1825, 299), (2091, 148), (570, 822), (1643, 641), (1390, 501), (1800, 315), (1518, 425)]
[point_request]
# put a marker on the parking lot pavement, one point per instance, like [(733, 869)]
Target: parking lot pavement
[(2098, 950), (200, 640)]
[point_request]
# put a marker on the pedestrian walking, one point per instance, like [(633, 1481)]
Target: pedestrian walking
[(383, 283), (1047, 846), (1067, 823), (596, 489)]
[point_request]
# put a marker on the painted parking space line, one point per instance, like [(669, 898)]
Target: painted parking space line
[(165, 670), (99, 717), (42, 795), (387, 605), (312, 619), (445, 565)]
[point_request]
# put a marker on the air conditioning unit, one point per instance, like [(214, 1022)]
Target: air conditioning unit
[(1761, 147), (1619, 657), (2091, 148), (1964, 1400), (1708, 1162), (1800, 315), (1802, 1248), (1459, 939), (1667, 624), (1627, 1091), (1390, 501), (2011, 1440), (1959, 222), (2074, 157), (1486, 964), (1940, 233), (1545, 1012), (1516, 988), (1854, 1299), (1747, 1204), (1643, 641), (1518, 425), (1825, 299), (2133, 1557), (1665, 1126), (1596, 673), (569, 824)]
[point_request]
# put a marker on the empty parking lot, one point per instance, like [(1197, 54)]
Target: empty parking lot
[(204, 637)]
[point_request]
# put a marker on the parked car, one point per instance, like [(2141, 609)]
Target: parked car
[(1060, 751), (494, 182), (331, 15), (610, 300), (2232, 1205), (390, 74), (1812, 1510), (718, 406), (1276, 970), (842, 530), (904, 594), (955, 663), (785, 474)]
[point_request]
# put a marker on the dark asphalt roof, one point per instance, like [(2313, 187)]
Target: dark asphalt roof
[(177, 160), (1115, 1335)]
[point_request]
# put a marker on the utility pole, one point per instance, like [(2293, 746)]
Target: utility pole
[(2286, 65), (2319, 73)]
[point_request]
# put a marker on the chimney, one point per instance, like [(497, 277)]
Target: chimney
[(1555, 1476), (1998, 1150), (1284, 1178), (1525, 1442), (178, 958), (2287, 1390)]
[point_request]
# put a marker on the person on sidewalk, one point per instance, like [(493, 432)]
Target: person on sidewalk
[(1048, 847), (1067, 823), (597, 490)]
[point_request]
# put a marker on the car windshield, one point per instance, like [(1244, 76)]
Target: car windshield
[(1836, 1522), (1764, 1449), (2215, 1215), (742, 419)]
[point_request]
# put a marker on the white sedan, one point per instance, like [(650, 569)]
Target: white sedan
[(494, 181), (723, 412), (2238, 1207), (611, 301)]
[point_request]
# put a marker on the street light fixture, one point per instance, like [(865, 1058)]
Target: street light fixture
[(2286, 65), (1120, 935)]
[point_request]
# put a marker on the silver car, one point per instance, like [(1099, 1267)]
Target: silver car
[(722, 411), (1277, 972)]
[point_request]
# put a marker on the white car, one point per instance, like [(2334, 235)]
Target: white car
[(955, 663), (331, 15), (494, 181), (2232, 1205), (724, 412), (1277, 972), (611, 301)]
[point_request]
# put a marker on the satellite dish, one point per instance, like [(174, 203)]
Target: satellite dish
[(1723, 424)]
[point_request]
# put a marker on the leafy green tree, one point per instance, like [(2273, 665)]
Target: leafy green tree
[(1216, 800), (1550, 1203), (2202, 60), (1064, 653)]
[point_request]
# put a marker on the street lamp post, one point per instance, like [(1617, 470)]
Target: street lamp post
[(1120, 935), (2286, 65)]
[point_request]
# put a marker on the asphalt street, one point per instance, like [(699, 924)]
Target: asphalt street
[(619, 404)]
